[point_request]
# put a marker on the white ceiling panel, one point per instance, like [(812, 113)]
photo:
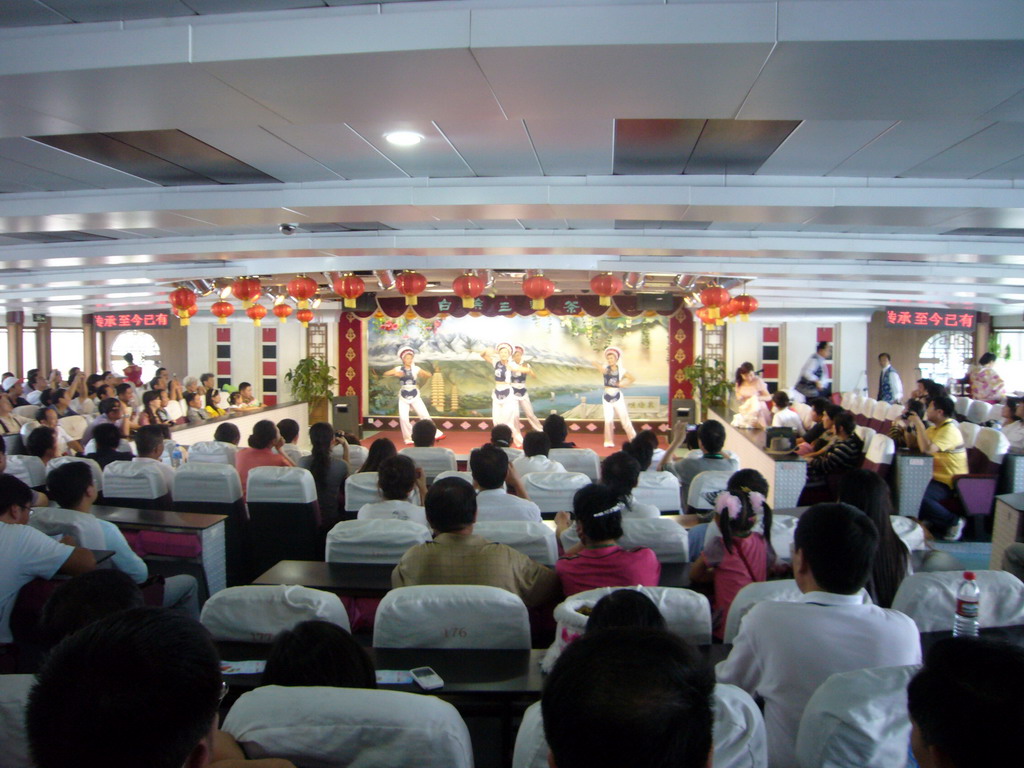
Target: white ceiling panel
[(1014, 169), (262, 149), (35, 179), (818, 146), (17, 121), (975, 155), (30, 13), (340, 149), (903, 80), (249, 6), (573, 146), (83, 11), (494, 147), (1000, 218), (883, 216), (434, 156), (1011, 109), (92, 175)]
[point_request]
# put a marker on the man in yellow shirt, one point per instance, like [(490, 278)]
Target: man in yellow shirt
[(946, 446)]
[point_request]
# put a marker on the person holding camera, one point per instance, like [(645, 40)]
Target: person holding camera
[(902, 431), (945, 444)]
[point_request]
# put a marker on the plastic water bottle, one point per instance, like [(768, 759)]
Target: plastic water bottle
[(176, 457), (965, 623)]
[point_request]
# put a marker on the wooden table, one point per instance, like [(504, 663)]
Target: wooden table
[(1007, 527), (350, 579)]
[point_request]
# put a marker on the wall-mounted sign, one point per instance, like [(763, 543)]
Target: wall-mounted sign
[(129, 320), (930, 318)]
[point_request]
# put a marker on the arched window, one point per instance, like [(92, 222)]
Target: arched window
[(946, 356), (145, 351)]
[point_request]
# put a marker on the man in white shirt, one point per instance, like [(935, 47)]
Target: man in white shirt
[(535, 447), (149, 445), (491, 471), (289, 429), (890, 386), (433, 459), (397, 477), (814, 378), (784, 416), (784, 651)]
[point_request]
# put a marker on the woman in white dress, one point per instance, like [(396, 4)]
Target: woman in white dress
[(615, 378), (752, 399), (520, 371), (504, 407), (408, 375)]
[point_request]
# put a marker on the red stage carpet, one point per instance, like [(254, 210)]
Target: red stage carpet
[(463, 441)]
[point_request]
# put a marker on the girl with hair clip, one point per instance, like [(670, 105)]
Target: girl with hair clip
[(736, 554)]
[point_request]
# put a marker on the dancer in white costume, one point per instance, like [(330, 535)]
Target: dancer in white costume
[(408, 374), (615, 377), (520, 371), (504, 408)]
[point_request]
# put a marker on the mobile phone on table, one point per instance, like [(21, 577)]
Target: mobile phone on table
[(426, 678)]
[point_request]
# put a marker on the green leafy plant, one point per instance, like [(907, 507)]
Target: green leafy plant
[(311, 380), (711, 383)]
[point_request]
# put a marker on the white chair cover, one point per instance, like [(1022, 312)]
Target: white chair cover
[(960, 406), (867, 406), (910, 531), (123, 445), (895, 411), (174, 410), (535, 540), (687, 614), (553, 491), (664, 535), (28, 426), (97, 471), (280, 485), (74, 425), (969, 432), (216, 483), (29, 469), (977, 411), (352, 727), (780, 591), (866, 434), (857, 718), (995, 412), (13, 444), (513, 453), (847, 399), (993, 444), (66, 522), (356, 455), (133, 480), (25, 411), (467, 476), (660, 489), (930, 599), (255, 614), (14, 691), (212, 452), (804, 411), (381, 542), (582, 460), (882, 449), (704, 485), (451, 616), (432, 460), (360, 488), (783, 531), (880, 411)]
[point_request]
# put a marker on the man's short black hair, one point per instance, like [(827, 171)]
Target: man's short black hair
[(845, 421), (68, 483), (556, 429), (227, 432), (839, 544), (967, 702), (40, 440), (396, 477), (289, 429), (943, 403), (987, 358), (148, 440), (536, 444), (636, 697), (501, 435), (80, 601), (886, 355), (451, 504), (109, 404), (106, 436), (13, 492), (832, 410), (489, 465), (205, 377), (423, 433), (140, 687), (711, 435), (244, 385), (123, 387), (819, 404), (621, 473), (781, 400), (822, 345)]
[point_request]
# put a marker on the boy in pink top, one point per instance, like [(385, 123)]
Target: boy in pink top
[(597, 561)]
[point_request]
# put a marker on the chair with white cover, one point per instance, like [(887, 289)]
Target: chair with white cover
[(878, 416), (867, 407), (467, 476), (976, 491), (74, 425), (910, 531), (740, 740), (847, 398), (866, 435), (29, 469), (779, 591), (94, 467), (378, 542), (895, 411), (215, 489), (513, 453), (857, 718), (663, 535), (969, 432), (977, 411), (13, 444), (212, 452), (855, 403), (361, 488), (960, 406), (880, 454), (14, 690), (451, 616), (352, 727), (995, 413), (135, 484), (578, 460), (432, 461), (83, 527), (284, 515), (660, 489), (26, 411), (704, 488), (553, 491), (535, 540), (804, 411), (256, 614), (124, 446), (356, 455), (174, 410), (930, 599), (28, 427)]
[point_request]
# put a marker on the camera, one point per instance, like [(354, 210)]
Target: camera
[(288, 229)]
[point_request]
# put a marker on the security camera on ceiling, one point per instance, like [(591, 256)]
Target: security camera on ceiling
[(288, 229)]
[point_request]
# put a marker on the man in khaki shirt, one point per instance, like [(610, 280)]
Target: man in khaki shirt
[(457, 556)]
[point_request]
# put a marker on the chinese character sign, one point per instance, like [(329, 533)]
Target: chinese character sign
[(930, 318), (119, 320)]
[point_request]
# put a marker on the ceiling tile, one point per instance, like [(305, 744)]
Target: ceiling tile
[(905, 145), (83, 11), (260, 148), (93, 175), (818, 146), (29, 13), (648, 147), (737, 146), (434, 157), (493, 147), (341, 150), (573, 146), (997, 144)]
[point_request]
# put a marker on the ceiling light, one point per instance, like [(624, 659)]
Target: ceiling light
[(403, 138)]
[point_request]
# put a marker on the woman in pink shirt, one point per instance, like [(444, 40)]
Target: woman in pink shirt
[(597, 561), (261, 451)]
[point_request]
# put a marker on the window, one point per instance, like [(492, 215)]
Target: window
[(67, 349), (1012, 370), (28, 350), (145, 352), (946, 356)]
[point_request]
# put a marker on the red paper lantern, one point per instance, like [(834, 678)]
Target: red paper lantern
[(467, 287), (283, 311), (181, 300), (715, 298), (410, 285), (222, 310), (704, 316), (256, 313), (305, 316), (191, 311), (745, 304), (247, 290), (537, 288), (349, 287), (606, 286), (302, 289)]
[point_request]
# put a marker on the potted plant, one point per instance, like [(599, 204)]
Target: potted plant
[(312, 381), (710, 381)]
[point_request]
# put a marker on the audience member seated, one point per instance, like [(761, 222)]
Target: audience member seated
[(289, 429), (784, 651), (329, 470), (841, 455), (535, 447), (248, 399), (783, 414), (26, 553), (35, 383), (817, 429), (107, 439), (641, 449), (48, 417), (711, 440), (10, 424), (501, 437), (636, 697), (965, 704), (149, 445), (152, 403), (261, 451), (110, 411), (318, 653), (900, 432), (207, 382), (458, 556), (425, 453), (380, 450), (738, 555), (491, 471), (556, 430), (235, 402), (42, 442), (72, 487), (621, 473), (60, 400), (1012, 425), (869, 493), (215, 403), (397, 478), (227, 433), (87, 598), (944, 442), (650, 437), (195, 412), (598, 560), (625, 608)]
